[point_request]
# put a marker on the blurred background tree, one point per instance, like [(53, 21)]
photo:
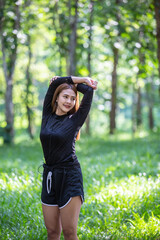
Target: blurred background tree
[(114, 41)]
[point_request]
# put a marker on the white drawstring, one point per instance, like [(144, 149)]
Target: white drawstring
[(49, 182)]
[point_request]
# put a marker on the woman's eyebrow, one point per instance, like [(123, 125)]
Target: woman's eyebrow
[(69, 95)]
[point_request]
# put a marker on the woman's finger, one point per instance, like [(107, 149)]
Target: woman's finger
[(53, 78)]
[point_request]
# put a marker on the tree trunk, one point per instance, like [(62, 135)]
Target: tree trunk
[(150, 117), (139, 108), (59, 35), (73, 40), (9, 130), (141, 70), (114, 75), (9, 60), (114, 92), (157, 16), (150, 101), (91, 8), (133, 111), (28, 93)]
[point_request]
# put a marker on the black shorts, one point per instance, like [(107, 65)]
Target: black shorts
[(60, 185)]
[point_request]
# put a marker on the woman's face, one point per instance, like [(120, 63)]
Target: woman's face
[(65, 101)]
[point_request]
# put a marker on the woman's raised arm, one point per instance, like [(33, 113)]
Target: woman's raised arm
[(87, 91)]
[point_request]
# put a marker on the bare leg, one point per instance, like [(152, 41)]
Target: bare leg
[(69, 218), (52, 221)]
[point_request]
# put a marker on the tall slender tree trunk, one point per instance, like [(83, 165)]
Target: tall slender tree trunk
[(73, 39), (59, 35), (9, 112), (139, 107), (114, 92), (28, 93), (150, 101), (150, 117), (91, 8), (114, 76), (150, 109), (8, 69), (141, 70), (133, 111), (157, 16)]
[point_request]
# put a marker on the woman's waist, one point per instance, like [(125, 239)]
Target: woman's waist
[(61, 165)]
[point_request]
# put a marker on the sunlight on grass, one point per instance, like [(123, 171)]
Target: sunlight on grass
[(17, 183), (142, 227), (121, 183), (128, 190)]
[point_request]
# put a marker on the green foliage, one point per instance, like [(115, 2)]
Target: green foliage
[(121, 182), (127, 25)]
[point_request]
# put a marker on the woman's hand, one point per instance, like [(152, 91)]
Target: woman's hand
[(52, 79), (90, 82)]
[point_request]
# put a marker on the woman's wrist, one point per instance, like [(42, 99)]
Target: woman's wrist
[(77, 80), (87, 80)]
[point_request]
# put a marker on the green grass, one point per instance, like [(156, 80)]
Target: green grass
[(121, 183)]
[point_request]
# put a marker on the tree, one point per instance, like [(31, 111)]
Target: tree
[(64, 17), (157, 17), (9, 28), (28, 98), (73, 7), (114, 72), (29, 25), (91, 15)]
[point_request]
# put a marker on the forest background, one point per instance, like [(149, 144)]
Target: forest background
[(117, 43)]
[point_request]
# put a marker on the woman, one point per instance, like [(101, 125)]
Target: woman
[(62, 187)]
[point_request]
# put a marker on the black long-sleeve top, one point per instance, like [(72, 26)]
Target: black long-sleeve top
[(58, 133)]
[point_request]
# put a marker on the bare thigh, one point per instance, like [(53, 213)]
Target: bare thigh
[(52, 220), (69, 217)]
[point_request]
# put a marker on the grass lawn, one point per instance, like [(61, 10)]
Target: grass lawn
[(121, 183)]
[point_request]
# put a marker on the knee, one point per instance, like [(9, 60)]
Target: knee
[(53, 234), (70, 234)]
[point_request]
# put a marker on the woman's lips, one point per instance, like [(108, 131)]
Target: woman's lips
[(67, 106)]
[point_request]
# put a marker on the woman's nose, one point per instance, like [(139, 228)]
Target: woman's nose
[(68, 100)]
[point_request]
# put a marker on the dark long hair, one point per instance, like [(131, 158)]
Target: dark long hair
[(59, 89)]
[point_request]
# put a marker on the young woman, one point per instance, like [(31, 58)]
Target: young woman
[(62, 186)]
